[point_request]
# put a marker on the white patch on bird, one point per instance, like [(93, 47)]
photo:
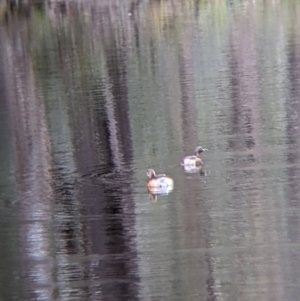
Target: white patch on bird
[(189, 161), (163, 182)]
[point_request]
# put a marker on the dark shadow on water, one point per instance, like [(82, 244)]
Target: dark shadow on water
[(87, 208)]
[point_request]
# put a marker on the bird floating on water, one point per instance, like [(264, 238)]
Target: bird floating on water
[(159, 184), (193, 163)]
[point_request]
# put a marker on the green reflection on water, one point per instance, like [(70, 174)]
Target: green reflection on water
[(155, 84)]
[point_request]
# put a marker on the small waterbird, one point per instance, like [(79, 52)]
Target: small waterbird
[(159, 183), (195, 160)]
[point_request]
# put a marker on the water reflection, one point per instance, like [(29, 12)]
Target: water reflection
[(93, 94)]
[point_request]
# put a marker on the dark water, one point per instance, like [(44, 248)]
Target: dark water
[(94, 93)]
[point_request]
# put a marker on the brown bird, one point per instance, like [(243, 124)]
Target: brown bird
[(159, 183)]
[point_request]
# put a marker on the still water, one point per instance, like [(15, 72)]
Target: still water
[(93, 94)]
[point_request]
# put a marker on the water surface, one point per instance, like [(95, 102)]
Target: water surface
[(93, 94)]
